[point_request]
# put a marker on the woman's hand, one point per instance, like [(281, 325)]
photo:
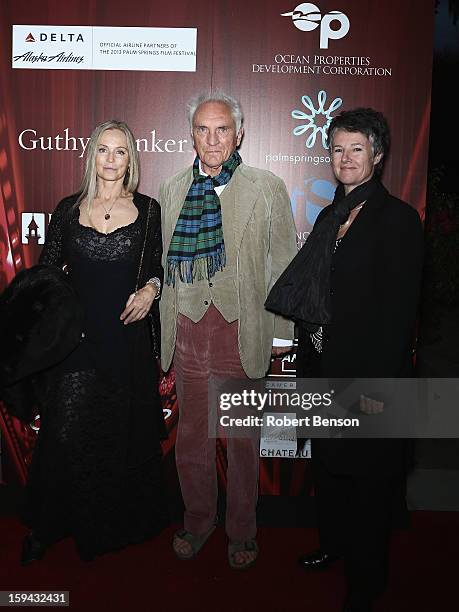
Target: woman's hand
[(139, 304)]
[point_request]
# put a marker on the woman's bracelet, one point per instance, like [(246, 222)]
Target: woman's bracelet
[(156, 283)]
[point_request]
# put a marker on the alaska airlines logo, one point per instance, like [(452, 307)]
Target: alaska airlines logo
[(307, 17)]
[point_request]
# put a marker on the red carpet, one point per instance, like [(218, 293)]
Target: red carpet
[(148, 576)]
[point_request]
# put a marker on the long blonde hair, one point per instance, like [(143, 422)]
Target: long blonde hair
[(88, 187)]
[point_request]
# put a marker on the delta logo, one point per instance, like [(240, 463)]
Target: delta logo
[(55, 37)]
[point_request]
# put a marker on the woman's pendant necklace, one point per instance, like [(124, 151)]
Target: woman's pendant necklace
[(107, 212)]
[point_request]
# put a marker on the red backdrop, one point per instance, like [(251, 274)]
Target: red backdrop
[(290, 85)]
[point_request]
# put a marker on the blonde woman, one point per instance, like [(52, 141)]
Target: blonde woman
[(96, 471)]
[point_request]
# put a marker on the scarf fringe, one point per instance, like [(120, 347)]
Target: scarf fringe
[(195, 269)]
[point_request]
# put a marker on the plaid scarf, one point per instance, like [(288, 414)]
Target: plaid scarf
[(197, 249)]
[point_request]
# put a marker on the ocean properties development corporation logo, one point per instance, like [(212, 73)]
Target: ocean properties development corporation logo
[(307, 17)]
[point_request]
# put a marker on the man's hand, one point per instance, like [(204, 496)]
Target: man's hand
[(369, 405)]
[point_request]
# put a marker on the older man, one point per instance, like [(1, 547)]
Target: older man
[(228, 233)]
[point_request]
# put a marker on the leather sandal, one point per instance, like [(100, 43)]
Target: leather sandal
[(235, 547), (196, 542)]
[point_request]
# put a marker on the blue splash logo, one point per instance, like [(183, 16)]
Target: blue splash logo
[(308, 200)]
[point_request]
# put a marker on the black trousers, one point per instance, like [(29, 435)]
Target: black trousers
[(355, 522)]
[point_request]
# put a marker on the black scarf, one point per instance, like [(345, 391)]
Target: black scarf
[(302, 292)]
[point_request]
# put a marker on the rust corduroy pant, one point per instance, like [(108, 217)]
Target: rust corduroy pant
[(204, 349)]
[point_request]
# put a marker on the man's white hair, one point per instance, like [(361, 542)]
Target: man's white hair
[(218, 96)]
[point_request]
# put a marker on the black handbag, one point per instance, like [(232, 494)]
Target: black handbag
[(153, 316)]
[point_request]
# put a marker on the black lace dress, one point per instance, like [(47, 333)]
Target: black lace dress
[(96, 470)]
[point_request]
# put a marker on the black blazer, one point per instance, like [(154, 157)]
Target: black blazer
[(375, 283)]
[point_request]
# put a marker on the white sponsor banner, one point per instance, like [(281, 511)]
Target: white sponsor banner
[(167, 49), (104, 48)]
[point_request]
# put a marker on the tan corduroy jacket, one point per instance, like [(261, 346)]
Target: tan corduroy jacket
[(265, 243)]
